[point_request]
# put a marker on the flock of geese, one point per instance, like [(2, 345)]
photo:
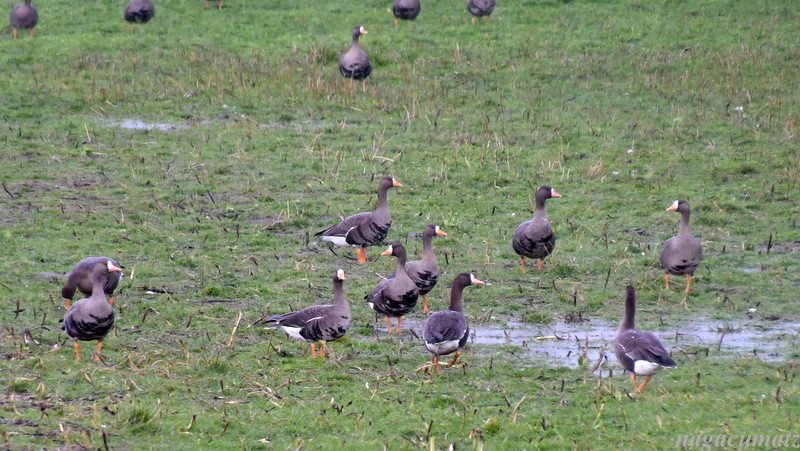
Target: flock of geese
[(444, 332)]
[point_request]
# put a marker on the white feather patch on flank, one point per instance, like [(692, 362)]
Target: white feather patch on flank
[(337, 240), (645, 368), (293, 332), (445, 347)]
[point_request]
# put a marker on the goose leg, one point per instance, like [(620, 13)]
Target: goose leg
[(313, 350), (633, 379), (14, 33), (110, 301), (363, 87), (396, 22), (67, 304), (219, 4), (322, 349), (473, 20), (666, 280), (362, 255), (455, 358), (206, 4), (436, 364), (32, 32), (388, 324), (130, 27), (540, 264), (641, 387), (399, 322), (688, 284), (522, 263), (425, 303), (97, 357), (77, 347)]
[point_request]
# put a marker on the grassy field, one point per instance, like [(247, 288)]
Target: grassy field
[(621, 106)]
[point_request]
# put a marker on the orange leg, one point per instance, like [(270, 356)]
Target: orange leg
[(362, 255), (322, 349), (77, 347), (15, 33), (455, 358), (641, 387), (666, 280), (388, 324), (363, 84), (97, 354), (540, 264), (488, 18), (130, 27), (436, 364), (473, 20), (313, 350), (399, 322), (425, 303), (67, 304), (396, 22), (688, 284), (633, 380), (219, 4), (206, 3), (32, 31), (522, 263)]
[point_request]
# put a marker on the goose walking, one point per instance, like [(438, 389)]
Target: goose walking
[(92, 318), (446, 332), (318, 323), (364, 229), (395, 296), (535, 238), (682, 253), (639, 351), (80, 279)]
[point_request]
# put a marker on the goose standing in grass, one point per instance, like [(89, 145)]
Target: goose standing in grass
[(396, 296), (24, 16), (318, 323), (139, 11), (535, 238), (405, 10), (425, 272), (480, 8), (364, 229), (92, 318), (219, 4), (355, 63), (446, 332), (80, 279), (639, 351), (682, 253)]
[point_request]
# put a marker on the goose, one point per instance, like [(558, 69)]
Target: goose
[(318, 323), (219, 4), (396, 296), (446, 332), (535, 238), (682, 253), (362, 230), (639, 351), (92, 318), (480, 8), (425, 272), (405, 10), (355, 63), (81, 279), (139, 11), (25, 16)]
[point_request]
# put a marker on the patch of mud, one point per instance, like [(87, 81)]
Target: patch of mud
[(137, 124)]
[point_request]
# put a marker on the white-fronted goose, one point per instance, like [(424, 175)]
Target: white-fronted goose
[(639, 351), (446, 332), (81, 279), (219, 4), (480, 8), (682, 253), (318, 323), (535, 238), (396, 296), (24, 16), (425, 272), (364, 229), (355, 63), (405, 10), (139, 11), (92, 318)]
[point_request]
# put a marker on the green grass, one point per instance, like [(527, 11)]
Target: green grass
[(621, 106)]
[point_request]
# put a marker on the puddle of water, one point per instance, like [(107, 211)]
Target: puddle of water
[(751, 270), (136, 124), (561, 344)]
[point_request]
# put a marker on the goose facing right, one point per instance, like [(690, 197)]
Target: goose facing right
[(639, 351), (355, 63), (80, 279), (425, 272), (92, 318), (24, 16), (535, 238)]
